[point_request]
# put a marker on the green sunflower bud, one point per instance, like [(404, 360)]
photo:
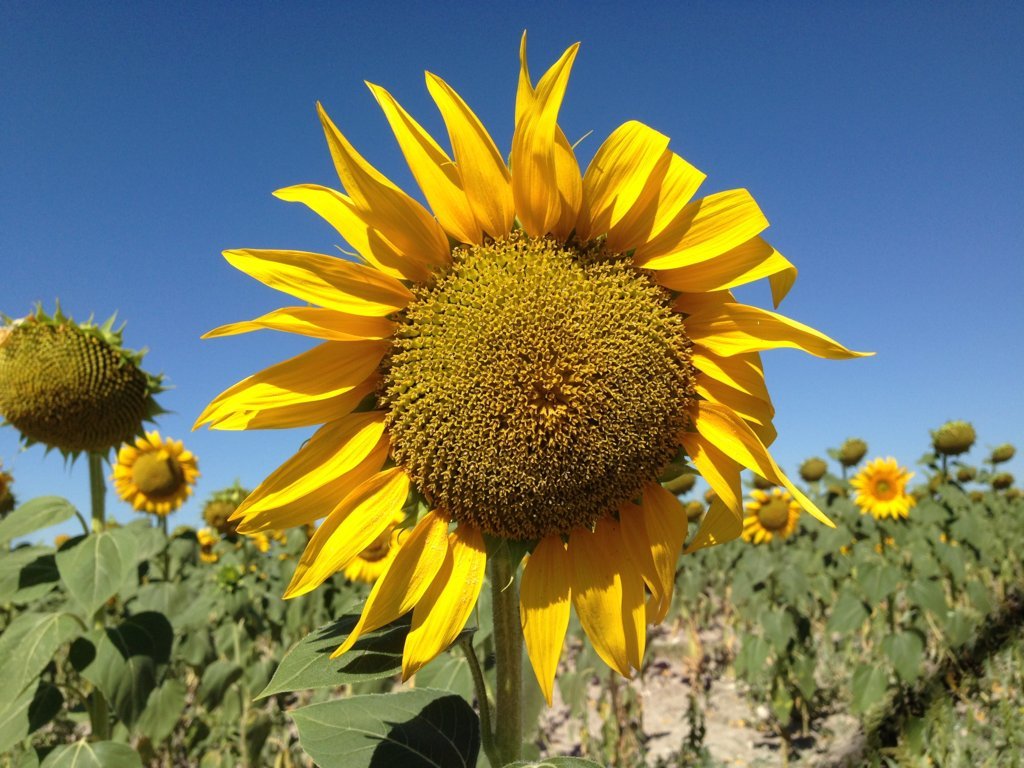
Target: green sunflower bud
[(813, 469), (851, 452), (966, 474), (694, 510), (1002, 453), (1002, 480), (953, 438), (72, 386), (977, 496), (763, 485), (682, 484)]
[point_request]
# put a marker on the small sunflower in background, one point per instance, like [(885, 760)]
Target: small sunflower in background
[(770, 515), (208, 538), (7, 500), (154, 474), (376, 558), (221, 505), (882, 489), (813, 469), (530, 354), (953, 438)]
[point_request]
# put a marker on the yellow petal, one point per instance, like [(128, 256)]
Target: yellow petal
[(544, 608), (338, 457), (327, 371), (731, 329), (485, 179), (406, 579), (341, 213), (300, 413), (433, 170), (734, 437), (441, 614), (743, 372), (692, 303), (542, 166), (718, 526), (326, 281), (720, 472), (666, 526), (608, 593), (382, 205), (618, 175), (704, 228), (362, 516), (668, 189), (757, 412), (312, 321), (743, 264), (638, 546)]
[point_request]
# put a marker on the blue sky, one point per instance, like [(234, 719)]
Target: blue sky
[(882, 141)]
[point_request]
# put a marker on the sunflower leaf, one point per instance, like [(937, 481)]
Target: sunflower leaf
[(97, 566), (419, 727), (34, 515)]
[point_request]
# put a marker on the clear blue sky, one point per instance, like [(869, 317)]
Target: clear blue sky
[(882, 140)]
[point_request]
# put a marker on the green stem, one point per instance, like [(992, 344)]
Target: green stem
[(85, 526), (508, 648), (97, 491), (99, 716), (167, 548), (486, 734)]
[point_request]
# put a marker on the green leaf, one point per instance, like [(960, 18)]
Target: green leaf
[(95, 568), (98, 754), (163, 710), (779, 628), (959, 628), (878, 580), (34, 515), (182, 606), (217, 678), (25, 573), (308, 663), (750, 661), (28, 644), (448, 672), (848, 614), (869, 684), (980, 598), (417, 728), (125, 662), (557, 762), (151, 541), (14, 719), (45, 705), (930, 595), (952, 559), (906, 652)]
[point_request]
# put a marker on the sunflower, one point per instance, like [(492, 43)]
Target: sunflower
[(770, 514), (207, 538), (155, 475), (882, 489), (7, 500), (376, 558), (529, 356)]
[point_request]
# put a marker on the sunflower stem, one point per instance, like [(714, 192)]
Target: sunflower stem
[(97, 491), (486, 734), (508, 647)]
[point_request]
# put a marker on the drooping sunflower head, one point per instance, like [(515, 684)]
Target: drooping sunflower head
[(1002, 480), (770, 515), (851, 452), (965, 474), (1002, 453), (221, 505), (368, 566), (530, 355), (882, 489), (154, 474), (73, 386), (953, 438), (813, 469), (7, 500)]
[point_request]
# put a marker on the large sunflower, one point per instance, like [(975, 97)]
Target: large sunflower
[(770, 514), (882, 489), (529, 357), (154, 474)]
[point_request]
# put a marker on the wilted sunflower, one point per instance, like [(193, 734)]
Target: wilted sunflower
[(155, 475), (882, 489), (532, 354), (769, 515), (375, 559)]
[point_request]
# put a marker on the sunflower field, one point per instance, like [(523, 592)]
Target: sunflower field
[(492, 549)]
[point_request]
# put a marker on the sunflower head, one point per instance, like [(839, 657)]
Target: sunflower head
[(1002, 453), (965, 474), (221, 505), (694, 510), (763, 484), (73, 386), (882, 489), (977, 496), (207, 538), (851, 452), (681, 484), (1002, 480), (769, 515), (953, 438), (813, 469), (7, 500), (154, 474)]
